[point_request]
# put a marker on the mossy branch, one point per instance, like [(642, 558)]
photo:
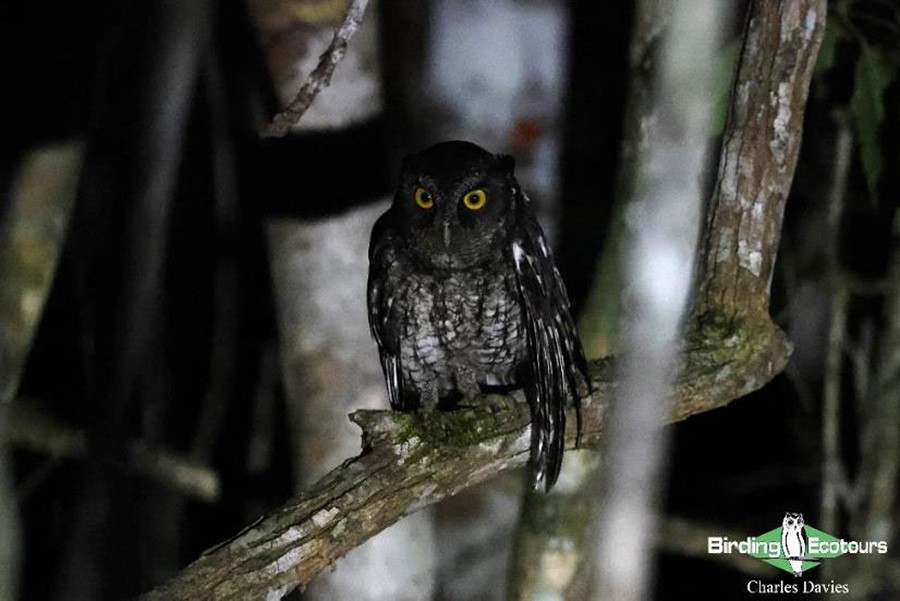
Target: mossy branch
[(411, 460)]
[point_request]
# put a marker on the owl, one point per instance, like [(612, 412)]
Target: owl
[(463, 296), (793, 542)]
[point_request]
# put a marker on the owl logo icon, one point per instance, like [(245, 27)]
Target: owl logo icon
[(793, 541)]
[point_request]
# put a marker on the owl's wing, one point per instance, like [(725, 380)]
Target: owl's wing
[(555, 351), (380, 300)]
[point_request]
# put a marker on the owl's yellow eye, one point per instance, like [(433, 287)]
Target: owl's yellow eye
[(423, 198), (475, 199)]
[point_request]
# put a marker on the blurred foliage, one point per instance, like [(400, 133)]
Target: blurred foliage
[(871, 32), (873, 76)]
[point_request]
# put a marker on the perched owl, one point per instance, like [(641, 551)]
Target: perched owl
[(793, 541), (463, 295)]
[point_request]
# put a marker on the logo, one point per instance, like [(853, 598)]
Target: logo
[(794, 546)]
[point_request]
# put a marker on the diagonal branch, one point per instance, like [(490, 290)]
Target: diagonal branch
[(410, 461)]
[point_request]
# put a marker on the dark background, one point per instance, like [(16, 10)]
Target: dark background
[(81, 69)]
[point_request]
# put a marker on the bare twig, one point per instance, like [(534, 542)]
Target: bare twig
[(833, 473), (321, 75)]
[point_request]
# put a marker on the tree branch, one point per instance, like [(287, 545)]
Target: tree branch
[(756, 168), (321, 75), (412, 460)]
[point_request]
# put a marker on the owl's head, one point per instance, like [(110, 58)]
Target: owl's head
[(454, 204), (792, 521)]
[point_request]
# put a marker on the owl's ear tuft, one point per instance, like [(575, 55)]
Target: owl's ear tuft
[(507, 163)]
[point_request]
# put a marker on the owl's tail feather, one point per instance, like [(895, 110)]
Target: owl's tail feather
[(556, 354), (551, 386)]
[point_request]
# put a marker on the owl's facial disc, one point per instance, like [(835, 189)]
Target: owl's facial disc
[(454, 202)]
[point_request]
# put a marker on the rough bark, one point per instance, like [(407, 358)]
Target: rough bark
[(410, 461), (330, 368), (756, 169)]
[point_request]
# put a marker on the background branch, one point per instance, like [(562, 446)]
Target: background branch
[(34, 430), (32, 231), (321, 75), (661, 233)]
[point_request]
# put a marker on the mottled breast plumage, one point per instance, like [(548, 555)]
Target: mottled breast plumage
[(459, 330)]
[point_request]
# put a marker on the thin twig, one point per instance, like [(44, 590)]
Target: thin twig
[(833, 472), (834, 482), (321, 75)]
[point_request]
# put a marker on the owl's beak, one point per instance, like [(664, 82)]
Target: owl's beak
[(447, 235)]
